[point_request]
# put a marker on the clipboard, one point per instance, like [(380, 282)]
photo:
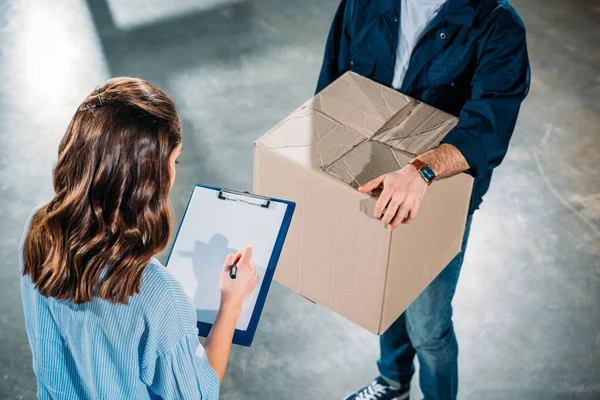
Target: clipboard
[(217, 222)]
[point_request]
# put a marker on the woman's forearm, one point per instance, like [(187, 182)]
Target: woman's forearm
[(218, 342)]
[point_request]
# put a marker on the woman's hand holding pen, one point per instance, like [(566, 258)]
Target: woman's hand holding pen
[(233, 294), (235, 291)]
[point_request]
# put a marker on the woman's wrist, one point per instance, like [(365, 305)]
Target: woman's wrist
[(218, 342), (230, 308)]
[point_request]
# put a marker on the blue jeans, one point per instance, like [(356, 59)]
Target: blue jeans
[(425, 329)]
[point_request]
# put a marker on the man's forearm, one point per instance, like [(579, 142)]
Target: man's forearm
[(445, 160)]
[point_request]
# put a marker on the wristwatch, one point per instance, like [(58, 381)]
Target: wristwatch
[(425, 170)]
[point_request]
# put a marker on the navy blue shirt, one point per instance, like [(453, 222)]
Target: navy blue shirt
[(471, 62)]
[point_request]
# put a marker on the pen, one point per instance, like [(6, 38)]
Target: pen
[(233, 270)]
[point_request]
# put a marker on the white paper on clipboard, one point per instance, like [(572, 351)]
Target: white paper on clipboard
[(211, 229)]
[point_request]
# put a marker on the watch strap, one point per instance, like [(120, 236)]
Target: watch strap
[(420, 165)]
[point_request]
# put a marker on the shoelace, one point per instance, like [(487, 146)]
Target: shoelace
[(372, 392)]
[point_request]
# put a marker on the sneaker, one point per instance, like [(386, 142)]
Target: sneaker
[(379, 389)]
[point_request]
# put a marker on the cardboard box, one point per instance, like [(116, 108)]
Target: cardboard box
[(336, 253)]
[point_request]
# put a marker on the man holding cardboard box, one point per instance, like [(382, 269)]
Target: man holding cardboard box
[(469, 59)]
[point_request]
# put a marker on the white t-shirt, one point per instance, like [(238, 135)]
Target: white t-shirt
[(415, 17)]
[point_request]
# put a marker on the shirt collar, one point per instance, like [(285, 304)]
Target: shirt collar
[(460, 12)]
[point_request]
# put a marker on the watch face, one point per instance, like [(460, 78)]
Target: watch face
[(427, 173)]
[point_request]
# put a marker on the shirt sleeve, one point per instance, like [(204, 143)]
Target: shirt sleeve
[(500, 84), (183, 373)]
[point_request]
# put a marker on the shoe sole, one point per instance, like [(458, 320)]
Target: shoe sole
[(403, 396)]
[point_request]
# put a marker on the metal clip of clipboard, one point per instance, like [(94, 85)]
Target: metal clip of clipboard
[(244, 197)]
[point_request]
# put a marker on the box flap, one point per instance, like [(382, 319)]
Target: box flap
[(367, 161), (359, 104), (416, 128), (311, 138), (325, 131)]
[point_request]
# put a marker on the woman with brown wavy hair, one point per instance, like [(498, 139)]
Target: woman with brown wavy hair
[(104, 319)]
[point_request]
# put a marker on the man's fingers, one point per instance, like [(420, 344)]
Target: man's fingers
[(374, 184), (401, 215), (404, 211), (414, 210), (382, 202), (396, 222), (392, 208)]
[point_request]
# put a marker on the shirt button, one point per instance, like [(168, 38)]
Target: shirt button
[(395, 19), (351, 62), (443, 36), (453, 84)]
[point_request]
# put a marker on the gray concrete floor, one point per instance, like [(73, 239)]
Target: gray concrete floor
[(527, 310)]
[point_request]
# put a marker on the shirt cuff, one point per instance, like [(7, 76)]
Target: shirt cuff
[(470, 148)]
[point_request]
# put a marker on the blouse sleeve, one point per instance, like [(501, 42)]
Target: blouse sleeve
[(182, 373)]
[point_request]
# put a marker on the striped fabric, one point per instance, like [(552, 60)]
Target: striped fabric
[(148, 349)]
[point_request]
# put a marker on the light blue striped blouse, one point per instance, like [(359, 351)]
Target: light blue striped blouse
[(146, 349)]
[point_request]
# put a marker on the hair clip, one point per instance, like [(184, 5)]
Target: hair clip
[(98, 94), (90, 109)]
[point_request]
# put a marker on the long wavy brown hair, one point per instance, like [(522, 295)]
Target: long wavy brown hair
[(110, 213)]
